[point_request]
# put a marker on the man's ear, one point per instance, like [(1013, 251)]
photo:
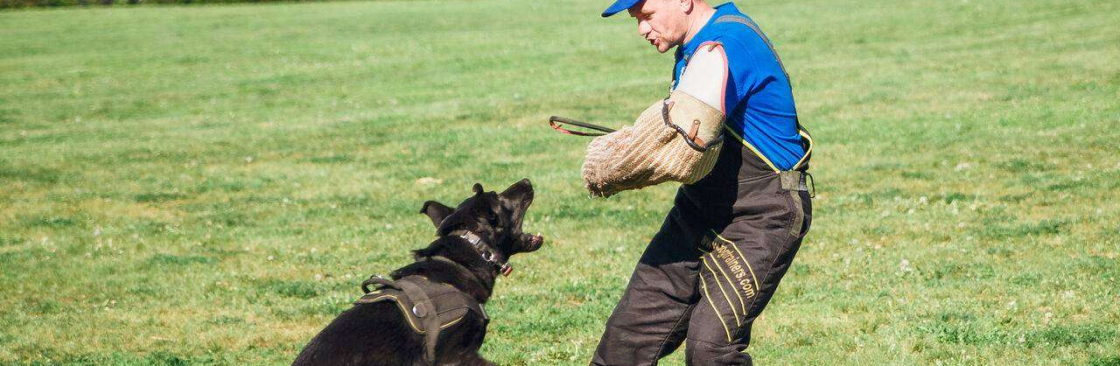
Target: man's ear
[(436, 211), (686, 6)]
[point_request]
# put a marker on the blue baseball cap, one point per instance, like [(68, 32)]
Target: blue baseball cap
[(619, 5)]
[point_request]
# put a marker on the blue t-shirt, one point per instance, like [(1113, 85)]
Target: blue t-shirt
[(759, 98)]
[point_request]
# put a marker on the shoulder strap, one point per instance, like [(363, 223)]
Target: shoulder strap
[(453, 304), (433, 306), (426, 311), (422, 308), (731, 18), (806, 140)]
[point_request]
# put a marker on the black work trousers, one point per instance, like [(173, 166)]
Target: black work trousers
[(712, 267)]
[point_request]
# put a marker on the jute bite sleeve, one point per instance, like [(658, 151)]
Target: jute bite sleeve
[(654, 150)]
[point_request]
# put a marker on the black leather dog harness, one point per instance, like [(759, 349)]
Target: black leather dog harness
[(428, 307)]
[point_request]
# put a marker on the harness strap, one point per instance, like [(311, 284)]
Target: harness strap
[(731, 18), (451, 304), (426, 311), (434, 306), (806, 139), (466, 300), (422, 308)]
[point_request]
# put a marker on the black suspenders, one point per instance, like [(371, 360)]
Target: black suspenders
[(754, 27), (806, 141)]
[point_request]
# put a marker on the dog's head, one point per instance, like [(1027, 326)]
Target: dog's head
[(496, 218)]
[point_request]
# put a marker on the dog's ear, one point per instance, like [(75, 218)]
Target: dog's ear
[(436, 211), (478, 188)]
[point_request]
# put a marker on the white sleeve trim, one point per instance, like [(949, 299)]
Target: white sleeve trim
[(705, 76)]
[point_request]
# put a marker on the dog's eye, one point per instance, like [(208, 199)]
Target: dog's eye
[(493, 218)]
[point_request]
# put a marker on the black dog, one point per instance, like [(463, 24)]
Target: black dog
[(396, 323)]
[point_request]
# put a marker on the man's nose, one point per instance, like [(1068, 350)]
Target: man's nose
[(644, 29)]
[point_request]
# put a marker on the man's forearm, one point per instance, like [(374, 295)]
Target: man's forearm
[(659, 147)]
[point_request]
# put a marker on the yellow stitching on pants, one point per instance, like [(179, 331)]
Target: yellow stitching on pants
[(704, 286), (725, 297), (741, 279), (757, 286), (733, 287)]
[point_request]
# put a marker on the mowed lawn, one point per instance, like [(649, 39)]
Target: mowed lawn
[(210, 184)]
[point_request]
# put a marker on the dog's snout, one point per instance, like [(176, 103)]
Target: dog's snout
[(532, 242)]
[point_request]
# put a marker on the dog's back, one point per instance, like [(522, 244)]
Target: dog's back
[(367, 334)]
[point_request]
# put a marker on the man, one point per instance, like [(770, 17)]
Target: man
[(736, 223)]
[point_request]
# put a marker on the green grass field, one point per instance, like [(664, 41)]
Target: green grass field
[(209, 184)]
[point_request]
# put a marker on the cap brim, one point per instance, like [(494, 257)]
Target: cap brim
[(619, 5)]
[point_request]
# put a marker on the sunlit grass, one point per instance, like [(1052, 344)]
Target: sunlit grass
[(209, 184)]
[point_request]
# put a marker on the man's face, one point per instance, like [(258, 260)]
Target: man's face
[(662, 22)]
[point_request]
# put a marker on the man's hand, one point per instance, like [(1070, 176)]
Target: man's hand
[(598, 162)]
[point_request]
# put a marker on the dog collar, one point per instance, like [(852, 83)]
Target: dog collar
[(476, 241)]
